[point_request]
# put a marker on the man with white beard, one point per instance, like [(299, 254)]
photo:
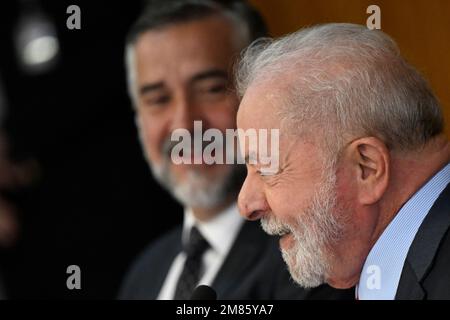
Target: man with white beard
[(179, 61), (362, 194)]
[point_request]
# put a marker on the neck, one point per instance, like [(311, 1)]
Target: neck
[(409, 171)]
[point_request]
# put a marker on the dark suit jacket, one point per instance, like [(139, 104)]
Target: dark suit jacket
[(253, 269), (426, 272)]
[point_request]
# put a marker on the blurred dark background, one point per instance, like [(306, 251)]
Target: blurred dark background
[(92, 201)]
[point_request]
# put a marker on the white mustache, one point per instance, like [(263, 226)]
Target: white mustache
[(273, 227)]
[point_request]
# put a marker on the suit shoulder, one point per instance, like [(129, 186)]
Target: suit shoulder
[(437, 282), (168, 242), (153, 260), (159, 248)]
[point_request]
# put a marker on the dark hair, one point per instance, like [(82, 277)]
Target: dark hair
[(160, 13)]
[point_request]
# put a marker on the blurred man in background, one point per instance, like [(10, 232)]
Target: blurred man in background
[(179, 61)]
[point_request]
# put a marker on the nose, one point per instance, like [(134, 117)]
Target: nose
[(184, 114), (252, 201)]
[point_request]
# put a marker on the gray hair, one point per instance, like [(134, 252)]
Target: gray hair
[(348, 78), (163, 13)]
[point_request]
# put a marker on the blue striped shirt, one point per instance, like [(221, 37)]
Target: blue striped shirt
[(383, 267)]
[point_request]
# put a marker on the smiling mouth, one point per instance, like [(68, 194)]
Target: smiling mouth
[(274, 228), (280, 233), (284, 230)]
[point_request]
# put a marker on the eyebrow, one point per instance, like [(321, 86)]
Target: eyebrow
[(213, 73), (146, 88)]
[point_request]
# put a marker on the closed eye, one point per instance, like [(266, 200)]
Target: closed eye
[(266, 172), (157, 101), (217, 89)]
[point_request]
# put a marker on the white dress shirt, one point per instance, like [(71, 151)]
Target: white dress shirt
[(220, 232), (383, 266)]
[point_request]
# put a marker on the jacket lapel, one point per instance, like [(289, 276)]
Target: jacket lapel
[(424, 248), (159, 274), (409, 287)]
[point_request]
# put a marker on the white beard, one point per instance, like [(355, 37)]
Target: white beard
[(314, 230), (196, 189)]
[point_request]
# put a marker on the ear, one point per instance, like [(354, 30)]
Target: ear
[(370, 161)]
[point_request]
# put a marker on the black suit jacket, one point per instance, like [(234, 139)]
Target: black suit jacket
[(253, 269), (426, 272)]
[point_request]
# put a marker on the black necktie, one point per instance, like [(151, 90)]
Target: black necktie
[(190, 275)]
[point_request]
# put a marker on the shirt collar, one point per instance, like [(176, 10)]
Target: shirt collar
[(384, 264), (220, 231)]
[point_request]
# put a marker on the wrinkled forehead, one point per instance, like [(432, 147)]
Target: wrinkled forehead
[(267, 105), (261, 106), (210, 36), (178, 52)]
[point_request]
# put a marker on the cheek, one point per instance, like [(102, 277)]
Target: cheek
[(289, 199), (153, 134), (346, 187), (284, 203), (348, 209)]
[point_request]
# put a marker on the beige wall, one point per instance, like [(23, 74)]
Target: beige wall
[(420, 27)]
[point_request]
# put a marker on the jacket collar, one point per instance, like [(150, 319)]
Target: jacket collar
[(424, 248)]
